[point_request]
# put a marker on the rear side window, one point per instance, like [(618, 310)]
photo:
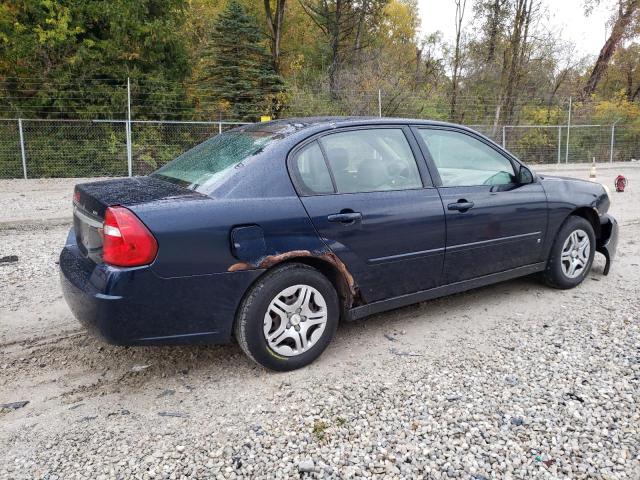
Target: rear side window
[(371, 160), (312, 170), (462, 160)]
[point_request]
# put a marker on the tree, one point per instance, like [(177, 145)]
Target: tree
[(623, 74), (627, 10), (430, 69), (628, 62), (460, 8), (275, 20), (494, 13), (514, 59), (337, 20), (341, 21), (71, 58), (241, 72), (385, 60)]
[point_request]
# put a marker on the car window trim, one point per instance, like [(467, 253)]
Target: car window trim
[(425, 175), (326, 162), (433, 169)]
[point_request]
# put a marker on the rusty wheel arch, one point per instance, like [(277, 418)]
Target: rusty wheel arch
[(332, 267), (326, 263)]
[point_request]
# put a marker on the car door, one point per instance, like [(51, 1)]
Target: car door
[(373, 204), (495, 221)]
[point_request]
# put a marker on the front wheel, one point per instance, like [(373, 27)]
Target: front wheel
[(571, 255), (288, 317)]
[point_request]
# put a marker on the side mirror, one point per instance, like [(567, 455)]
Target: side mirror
[(525, 176)]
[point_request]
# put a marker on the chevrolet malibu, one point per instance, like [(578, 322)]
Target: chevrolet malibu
[(274, 233)]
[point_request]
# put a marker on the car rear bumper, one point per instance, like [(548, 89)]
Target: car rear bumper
[(608, 241), (133, 306)]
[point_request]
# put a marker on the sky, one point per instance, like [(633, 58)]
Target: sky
[(565, 16)]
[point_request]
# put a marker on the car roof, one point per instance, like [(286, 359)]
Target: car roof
[(296, 129), (295, 124)]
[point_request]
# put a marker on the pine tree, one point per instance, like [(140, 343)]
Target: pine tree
[(241, 75)]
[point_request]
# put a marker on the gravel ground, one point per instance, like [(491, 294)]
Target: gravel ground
[(515, 380)]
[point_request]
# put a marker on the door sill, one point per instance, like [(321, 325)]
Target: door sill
[(442, 291)]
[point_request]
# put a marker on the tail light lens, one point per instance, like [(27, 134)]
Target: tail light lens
[(127, 242)]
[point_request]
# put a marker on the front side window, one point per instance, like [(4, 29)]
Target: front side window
[(371, 160), (462, 160)]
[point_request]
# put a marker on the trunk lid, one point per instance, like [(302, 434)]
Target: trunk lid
[(91, 200)]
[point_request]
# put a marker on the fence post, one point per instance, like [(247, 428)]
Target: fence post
[(504, 136), (613, 134), (559, 142), (129, 149), (566, 156), (22, 151), (379, 103)]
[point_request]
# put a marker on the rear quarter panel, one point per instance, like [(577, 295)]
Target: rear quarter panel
[(194, 234), (194, 237)]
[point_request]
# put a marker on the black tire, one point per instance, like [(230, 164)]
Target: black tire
[(251, 316), (554, 275)]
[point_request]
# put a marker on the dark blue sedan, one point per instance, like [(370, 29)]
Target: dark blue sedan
[(272, 233)]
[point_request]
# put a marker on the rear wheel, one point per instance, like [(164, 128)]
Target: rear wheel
[(288, 317), (572, 254)]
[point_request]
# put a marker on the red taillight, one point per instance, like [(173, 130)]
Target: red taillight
[(127, 242), (76, 196)]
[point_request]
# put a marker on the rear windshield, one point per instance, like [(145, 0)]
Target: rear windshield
[(207, 164)]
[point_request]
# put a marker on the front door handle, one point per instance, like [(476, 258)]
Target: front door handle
[(346, 218), (461, 205)]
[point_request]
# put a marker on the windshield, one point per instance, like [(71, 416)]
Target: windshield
[(210, 162)]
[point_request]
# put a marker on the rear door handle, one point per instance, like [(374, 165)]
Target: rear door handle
[(346, 217), (461, 205)]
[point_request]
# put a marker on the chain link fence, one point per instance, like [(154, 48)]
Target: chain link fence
[(74, 148), (155, 142), (10, 156), (95, 148), (34, 148), (574, 144)]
